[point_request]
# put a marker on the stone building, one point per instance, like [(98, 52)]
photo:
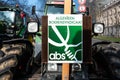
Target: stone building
[(109, 14)]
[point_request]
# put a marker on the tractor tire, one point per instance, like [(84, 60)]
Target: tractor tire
[(6, 76), (107, 56), (22, 52), (7, 62), (112, 53), (9, 49)]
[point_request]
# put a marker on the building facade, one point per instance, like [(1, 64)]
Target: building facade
[(109, 14)]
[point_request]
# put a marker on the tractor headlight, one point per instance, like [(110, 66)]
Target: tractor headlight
[(12, 26), (32, 27), (52, 67), (98, 28), (76, 67)]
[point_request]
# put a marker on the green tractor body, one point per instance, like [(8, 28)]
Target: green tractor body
[(16, 49)]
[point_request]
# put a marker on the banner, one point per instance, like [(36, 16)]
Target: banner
[(65, 38)]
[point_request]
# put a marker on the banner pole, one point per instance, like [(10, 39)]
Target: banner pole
[(66, 66)]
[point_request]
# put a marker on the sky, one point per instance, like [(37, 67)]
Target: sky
[(29, 3), (40, 4)]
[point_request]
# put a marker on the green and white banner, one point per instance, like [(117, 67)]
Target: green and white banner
[(65, 38)]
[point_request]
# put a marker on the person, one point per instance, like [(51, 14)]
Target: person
[(18, 8), (22, 15)]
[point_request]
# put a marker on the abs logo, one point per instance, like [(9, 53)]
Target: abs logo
[(65, 43)]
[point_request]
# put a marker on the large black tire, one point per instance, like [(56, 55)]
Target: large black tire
[(6, 75), (9, 49), (107, 57), (23, 52), (7, 62), (112, 52)]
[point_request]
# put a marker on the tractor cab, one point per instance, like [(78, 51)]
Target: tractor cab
[(7, 21), (11, 21), (56, 7)]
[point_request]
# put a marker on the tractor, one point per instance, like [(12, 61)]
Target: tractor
[(16, 43), (100, 60)]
